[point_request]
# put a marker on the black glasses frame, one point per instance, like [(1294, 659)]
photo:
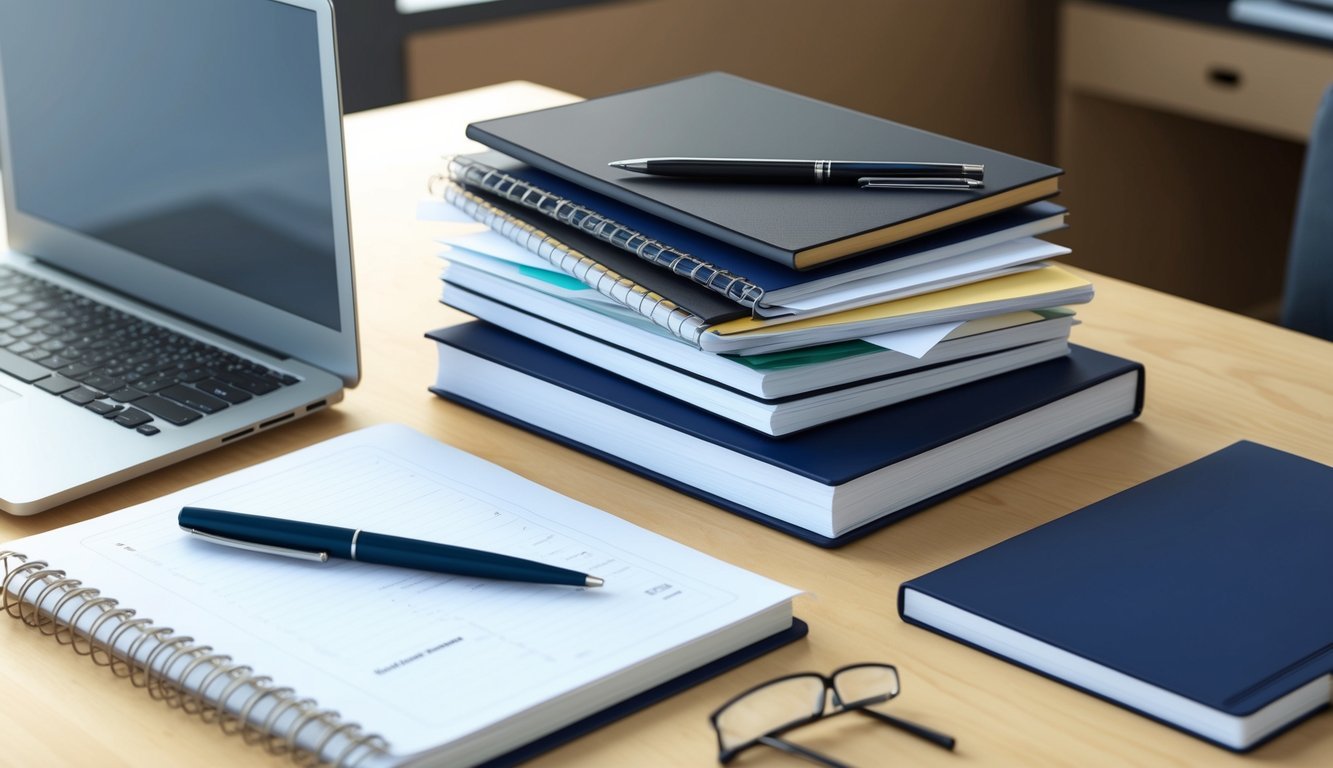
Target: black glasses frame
[(773, 738)]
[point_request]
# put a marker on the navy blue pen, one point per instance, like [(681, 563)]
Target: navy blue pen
[(312, 541), (807, 171)]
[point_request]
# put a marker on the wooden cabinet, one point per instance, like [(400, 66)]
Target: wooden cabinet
[(1182, 143), (1251, 81)]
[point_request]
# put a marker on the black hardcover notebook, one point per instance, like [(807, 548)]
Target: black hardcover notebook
[(721, 115), (828, 485), (1199, 598)]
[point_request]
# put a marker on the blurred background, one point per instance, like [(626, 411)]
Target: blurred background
[(1181, 124)]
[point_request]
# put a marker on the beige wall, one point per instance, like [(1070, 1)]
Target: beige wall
[(980, 70)]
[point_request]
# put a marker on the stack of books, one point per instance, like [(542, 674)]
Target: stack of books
[(821, 358)]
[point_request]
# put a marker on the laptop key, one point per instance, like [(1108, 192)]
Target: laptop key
[(147, 429), (77, 370), (57, 384), (166, 409), (191, 375), (251, 384), (228, 393), (24, 370), (81, 396), (126, 395), (132, 417), (101, 407), (104, 383), (154, 383), (193, 398)]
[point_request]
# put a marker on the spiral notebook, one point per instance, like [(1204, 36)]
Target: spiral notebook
[(526, 665), (679, 256)]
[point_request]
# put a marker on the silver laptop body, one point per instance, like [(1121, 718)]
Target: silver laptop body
[(180, 162)]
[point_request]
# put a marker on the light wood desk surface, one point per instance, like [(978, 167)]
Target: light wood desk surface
[(1212, 378)]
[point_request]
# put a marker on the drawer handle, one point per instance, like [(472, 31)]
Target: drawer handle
[(1224, 76)]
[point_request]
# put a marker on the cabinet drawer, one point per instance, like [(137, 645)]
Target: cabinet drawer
[(1251, 81)]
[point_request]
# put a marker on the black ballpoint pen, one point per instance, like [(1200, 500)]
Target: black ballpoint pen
[(312, 541), (809, 171)]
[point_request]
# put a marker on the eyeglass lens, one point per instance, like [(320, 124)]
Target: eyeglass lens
[(770, 708), (798, 699), (865, 684)]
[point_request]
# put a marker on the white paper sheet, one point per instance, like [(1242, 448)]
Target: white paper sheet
[(914, 341)]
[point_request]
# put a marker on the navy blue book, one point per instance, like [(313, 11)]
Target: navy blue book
[(1200, 598), (721, 115), (827, 485)]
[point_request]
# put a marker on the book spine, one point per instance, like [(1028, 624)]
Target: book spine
[(177, 670), (471, 173), (663, 312)]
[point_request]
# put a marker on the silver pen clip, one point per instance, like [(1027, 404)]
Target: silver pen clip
[(923, 182), (268, 549)]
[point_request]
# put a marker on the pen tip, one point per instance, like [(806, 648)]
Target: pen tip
[(594, 581), (637, 165)]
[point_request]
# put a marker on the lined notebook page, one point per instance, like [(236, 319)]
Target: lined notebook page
[(420, 658)]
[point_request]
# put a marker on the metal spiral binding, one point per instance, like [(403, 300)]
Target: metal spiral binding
[(466, 171), (162, 662), (662, 311)]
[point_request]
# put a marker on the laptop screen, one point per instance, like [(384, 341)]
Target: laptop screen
[(191, 133)]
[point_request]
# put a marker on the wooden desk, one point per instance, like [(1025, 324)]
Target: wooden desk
[(1213, 378)]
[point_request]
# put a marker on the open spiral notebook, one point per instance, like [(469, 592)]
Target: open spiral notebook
[(308, 658)]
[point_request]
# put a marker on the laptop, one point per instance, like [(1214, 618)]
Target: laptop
[(179, 268)]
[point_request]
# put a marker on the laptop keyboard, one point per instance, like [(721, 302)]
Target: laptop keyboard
[(115, 365)]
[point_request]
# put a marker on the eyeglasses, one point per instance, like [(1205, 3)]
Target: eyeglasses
[(764, 713)]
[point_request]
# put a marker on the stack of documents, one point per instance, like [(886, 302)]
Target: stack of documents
[(781, 310)]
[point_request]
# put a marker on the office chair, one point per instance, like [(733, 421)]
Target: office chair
[(1307, 300)]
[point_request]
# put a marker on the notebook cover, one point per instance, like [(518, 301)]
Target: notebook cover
[(646, 699), (766, 274), (721, 115), (1211, 581), (878, 435), (711, 307)]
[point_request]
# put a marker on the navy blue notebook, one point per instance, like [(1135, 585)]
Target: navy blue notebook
[(854, 458), (1202, 598)]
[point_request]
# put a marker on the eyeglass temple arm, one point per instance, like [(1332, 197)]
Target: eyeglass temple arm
[(935, 737), (802, 752)]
